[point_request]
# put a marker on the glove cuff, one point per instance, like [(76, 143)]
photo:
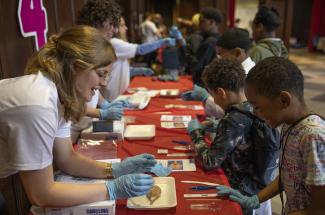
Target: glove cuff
[(115, 170), (256, 202), (101, 114), (110, 190)]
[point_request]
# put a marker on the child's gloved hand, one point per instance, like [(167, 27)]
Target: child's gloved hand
[(127, 186), (137, 164), (141, 71), (193, 125), (210, 124), (160, 170), (112, 113), (245, 201), (197, 94), (169, 41)]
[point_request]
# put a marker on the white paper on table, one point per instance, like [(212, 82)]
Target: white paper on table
[(174, 124), (148, 93), (179, 164), (191, 107), (176, 118)]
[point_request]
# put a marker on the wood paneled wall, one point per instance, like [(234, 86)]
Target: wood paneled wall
[(16, 49)]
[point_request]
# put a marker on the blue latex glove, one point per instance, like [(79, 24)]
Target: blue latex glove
[(137, 164), (112, 113), (138, 71), (197, 94), (128, 186), (244, 201), (124, 102), (160, 170), (193, 125), (104, 105), (146, 48), (175, 33), (169, 41), (210, 124)]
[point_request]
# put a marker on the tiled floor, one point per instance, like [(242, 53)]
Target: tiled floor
[(313, 68)]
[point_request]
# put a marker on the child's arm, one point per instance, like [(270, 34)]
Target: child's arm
[(228, 134), (250, 202), (269, 191)]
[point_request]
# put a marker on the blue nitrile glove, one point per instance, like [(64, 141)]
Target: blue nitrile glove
[(210, 124), (160, 170), (193, 125), (138, 71), (245, 201), (169, 41), (197, 94), (105, 104), (112, 113), (148, 47), (124, 102), (175, 33), (137, 164), (128, 186)]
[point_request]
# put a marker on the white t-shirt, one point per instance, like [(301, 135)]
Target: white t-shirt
[(30, 120), (120, 76), (148, 29), (85, 121), (211, 108)]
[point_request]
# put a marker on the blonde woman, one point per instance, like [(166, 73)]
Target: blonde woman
[(35, 114)]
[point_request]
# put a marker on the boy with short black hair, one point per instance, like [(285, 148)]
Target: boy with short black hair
[(275, 88), (233, 147)]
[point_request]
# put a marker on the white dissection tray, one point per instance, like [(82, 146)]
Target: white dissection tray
[(167, 199), (140, 132), (137, 102)]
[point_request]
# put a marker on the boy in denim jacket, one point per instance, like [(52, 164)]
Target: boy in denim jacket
[(232, 148)]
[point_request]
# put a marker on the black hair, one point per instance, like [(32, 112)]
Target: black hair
[(96, 12), (213, 14), (268, 17), (235, 38), (224, 73), (275, 74)]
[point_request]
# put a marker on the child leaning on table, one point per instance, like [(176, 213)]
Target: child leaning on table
[(275, 89), (233, 148)]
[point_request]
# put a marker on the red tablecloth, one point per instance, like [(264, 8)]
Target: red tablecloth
[(163, 140), (183, 84)]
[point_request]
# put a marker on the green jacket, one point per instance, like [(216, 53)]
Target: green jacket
[(268, 47)]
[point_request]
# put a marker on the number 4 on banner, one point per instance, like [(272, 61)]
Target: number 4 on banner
[(33, 20)]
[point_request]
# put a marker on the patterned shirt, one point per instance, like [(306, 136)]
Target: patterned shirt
[(231, 148), (302, 161)]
